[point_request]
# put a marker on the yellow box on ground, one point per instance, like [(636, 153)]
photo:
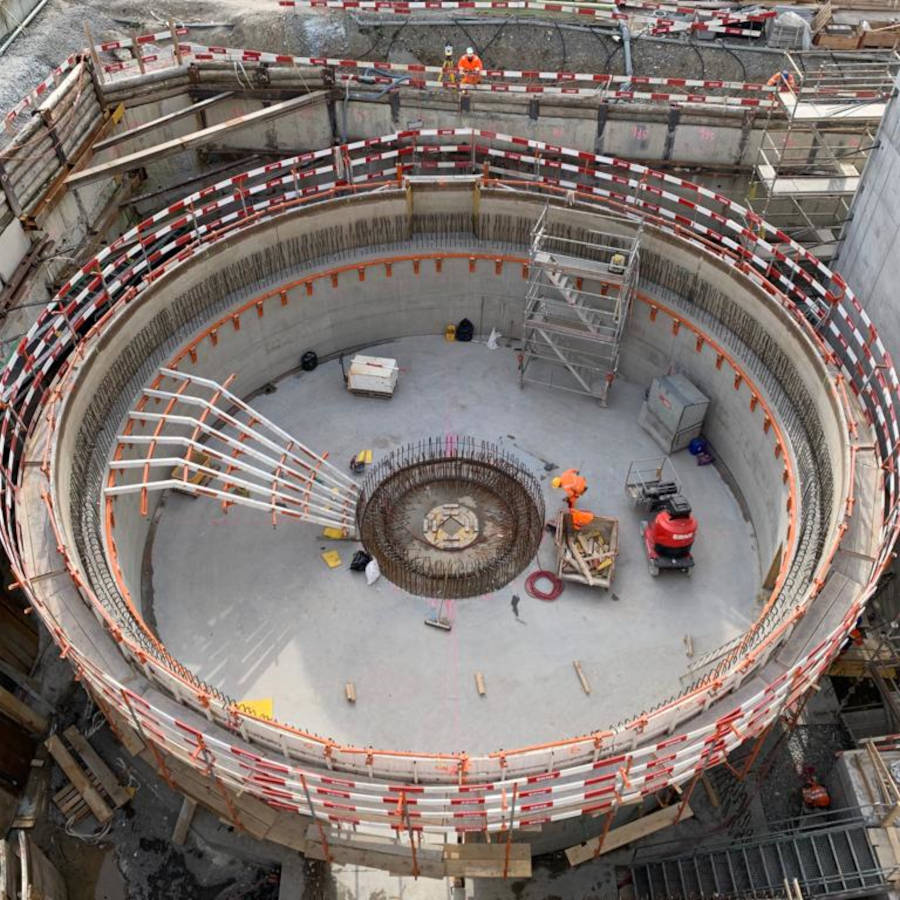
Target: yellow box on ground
[(332, 558)]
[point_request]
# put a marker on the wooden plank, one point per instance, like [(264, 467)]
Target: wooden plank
[(625, 834), (75, 774), (185, 816), (9, 871), (33, 802), (13, 708), (487, 860), (479, 684), (8, 804), (162, 120), (711, 792), (97, 766), (46, 882), (27, 684), (195, 139), (350, 692), (585, 684)]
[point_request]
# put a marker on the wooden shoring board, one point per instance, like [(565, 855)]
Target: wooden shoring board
[(13, 708), (98, 768), (9, 871), (625, 834), (488, 860), (75, 774)]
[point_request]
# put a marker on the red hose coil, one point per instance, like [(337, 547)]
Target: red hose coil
[(543, 574)]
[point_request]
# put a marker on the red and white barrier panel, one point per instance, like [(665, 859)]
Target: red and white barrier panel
[(33, 98), (601, 15), (560, 791), (496, 80)]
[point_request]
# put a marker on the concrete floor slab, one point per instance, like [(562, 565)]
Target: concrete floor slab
[(255, 611)]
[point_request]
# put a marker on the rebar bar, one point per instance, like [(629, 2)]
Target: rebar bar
[(504, 495)]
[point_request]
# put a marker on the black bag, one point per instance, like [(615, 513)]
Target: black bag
[(360, 560), (309, 360), (465, 330)]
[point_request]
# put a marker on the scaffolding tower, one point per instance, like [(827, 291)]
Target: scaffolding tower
[(815, 143), (578, 297)]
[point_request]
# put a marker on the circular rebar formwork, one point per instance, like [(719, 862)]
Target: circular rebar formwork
[(451, 517)]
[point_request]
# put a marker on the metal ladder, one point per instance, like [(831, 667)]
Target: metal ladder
[(834, 861)]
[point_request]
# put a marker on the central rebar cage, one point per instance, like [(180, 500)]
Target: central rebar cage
[(491, 484)]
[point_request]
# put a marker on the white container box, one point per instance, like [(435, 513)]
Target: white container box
[(373, 376)]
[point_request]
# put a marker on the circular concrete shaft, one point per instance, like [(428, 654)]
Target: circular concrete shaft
[(451, 517)]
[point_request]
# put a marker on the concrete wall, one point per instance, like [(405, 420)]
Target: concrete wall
[(355, 314), (12, 13), (869, 253)]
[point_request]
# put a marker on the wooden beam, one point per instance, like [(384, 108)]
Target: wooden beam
[(487, 860), (100, 770), (162, 120), (185, 816), (13, 708), (195, 139), (585, 684), (9, 871), (625, 834), (75, 774)]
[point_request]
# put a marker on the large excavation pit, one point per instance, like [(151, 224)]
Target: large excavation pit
[(256, 612)]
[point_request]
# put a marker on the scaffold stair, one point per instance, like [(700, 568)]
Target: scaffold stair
[(835, 861)]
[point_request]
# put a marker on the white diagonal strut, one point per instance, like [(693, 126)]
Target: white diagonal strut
[(213, 444)]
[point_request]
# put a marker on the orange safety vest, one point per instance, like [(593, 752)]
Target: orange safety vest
[(470, 68), (573, 484), (778, 80)]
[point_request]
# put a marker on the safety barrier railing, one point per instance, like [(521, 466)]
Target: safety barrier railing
[(683, 18), (570, 777), (416, 76)]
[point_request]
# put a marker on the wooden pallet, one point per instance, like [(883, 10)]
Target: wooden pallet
[(93, 790)]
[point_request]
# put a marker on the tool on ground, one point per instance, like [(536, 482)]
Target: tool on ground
[(360, 460), (548, 466)]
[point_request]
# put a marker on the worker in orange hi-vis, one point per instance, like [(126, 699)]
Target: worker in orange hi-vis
[(574, 484), (783, 81), (470, 67)]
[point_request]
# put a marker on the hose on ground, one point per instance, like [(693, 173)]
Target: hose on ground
[(543, 575)]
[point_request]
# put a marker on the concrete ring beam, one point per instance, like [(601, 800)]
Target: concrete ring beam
[(451, 517), (802, 418)]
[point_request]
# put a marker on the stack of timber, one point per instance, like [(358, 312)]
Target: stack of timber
[(588, 555)]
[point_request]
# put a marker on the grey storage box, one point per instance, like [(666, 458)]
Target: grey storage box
[(673, 412)]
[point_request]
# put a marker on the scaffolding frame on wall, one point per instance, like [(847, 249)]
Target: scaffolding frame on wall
[(576, 304), (811, 155)]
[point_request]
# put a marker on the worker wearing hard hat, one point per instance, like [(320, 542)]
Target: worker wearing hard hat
[(448, 69), (470, 67), (783, 81), (574, 484)]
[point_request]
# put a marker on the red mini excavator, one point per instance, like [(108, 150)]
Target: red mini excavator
[(669, 536)]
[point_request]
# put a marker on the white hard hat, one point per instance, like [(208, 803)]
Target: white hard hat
[(469, 51)]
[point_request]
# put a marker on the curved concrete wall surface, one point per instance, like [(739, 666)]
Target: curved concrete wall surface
[(788, 410)]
